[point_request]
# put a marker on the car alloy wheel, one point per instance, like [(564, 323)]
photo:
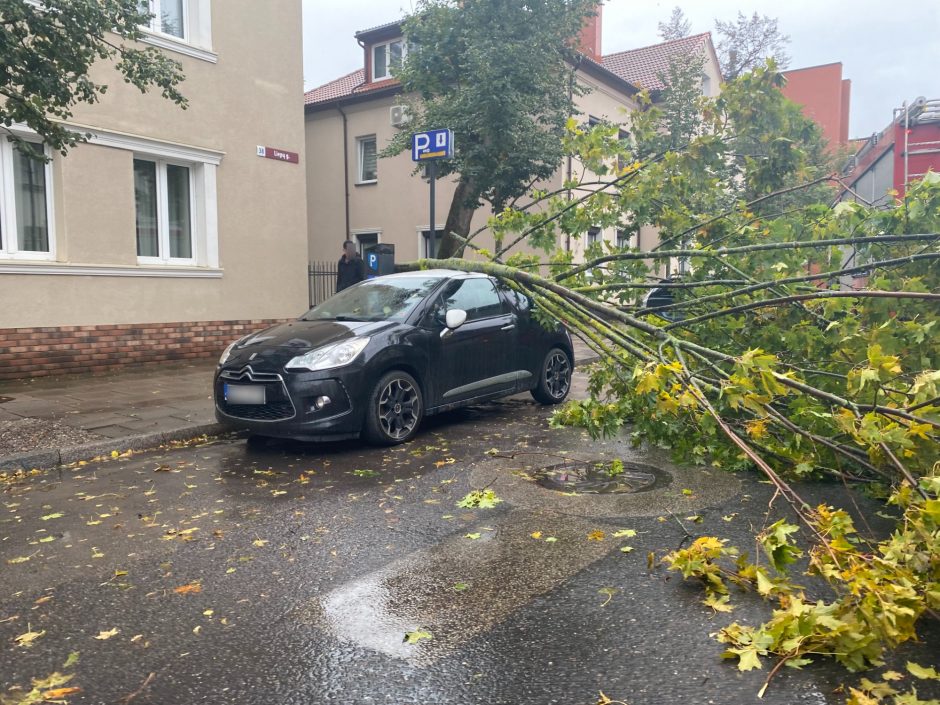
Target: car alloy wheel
[(554, 382), (399, 408), (558, 374)]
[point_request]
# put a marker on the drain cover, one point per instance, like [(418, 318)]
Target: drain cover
[(598, 477)]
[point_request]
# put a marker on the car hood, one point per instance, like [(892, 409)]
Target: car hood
[(276, 346)]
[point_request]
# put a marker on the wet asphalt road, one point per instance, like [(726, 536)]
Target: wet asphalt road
[(289, 574)]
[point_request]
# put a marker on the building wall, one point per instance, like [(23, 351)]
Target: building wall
[(244, 90), (824, 97), (397, 205)]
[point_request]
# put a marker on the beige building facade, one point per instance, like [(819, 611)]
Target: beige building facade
[(170, 231), (352, 193)]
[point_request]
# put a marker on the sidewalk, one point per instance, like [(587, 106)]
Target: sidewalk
[(51, 421), (54, 421)]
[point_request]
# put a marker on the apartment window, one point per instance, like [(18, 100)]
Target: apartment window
[(168, 16), (25, 204), (426, 240), (366, 241), (163, 193), (368, 167), (593, 236), (623, 239), (386, 57)]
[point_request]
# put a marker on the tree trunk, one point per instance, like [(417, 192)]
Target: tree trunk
[(458, 220)]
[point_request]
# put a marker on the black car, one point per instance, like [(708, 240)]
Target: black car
[(377, 357)]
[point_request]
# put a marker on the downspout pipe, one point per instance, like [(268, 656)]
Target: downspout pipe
[(345, 165)]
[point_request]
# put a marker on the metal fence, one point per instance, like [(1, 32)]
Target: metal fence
[(321, 281)]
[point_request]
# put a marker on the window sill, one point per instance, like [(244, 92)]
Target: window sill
[(366, 183), (180, 46), (9, 267)]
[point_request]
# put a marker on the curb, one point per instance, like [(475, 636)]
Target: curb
[(50, 459)]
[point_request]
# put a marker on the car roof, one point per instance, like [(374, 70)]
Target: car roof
[(436, 273)]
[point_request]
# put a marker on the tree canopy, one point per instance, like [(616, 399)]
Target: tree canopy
[(747, 42), (500, 74), (47, 50)]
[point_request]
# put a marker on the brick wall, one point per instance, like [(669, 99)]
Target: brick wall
[(40, 352)]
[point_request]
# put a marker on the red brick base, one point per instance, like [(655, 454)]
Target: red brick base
[(40, 352)]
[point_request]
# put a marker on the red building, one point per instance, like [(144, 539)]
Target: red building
[(903, 152), (824, 96)]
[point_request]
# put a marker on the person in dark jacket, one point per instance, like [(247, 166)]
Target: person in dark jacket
[(351, 269)]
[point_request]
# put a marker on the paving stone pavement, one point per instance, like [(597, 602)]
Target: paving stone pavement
[(129, 410)]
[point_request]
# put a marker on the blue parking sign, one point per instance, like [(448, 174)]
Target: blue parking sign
[(433, 144)]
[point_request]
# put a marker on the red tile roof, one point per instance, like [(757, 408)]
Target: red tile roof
[(644, 65), (345, 86), (339, 88)]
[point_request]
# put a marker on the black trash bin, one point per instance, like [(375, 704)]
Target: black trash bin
[(380, 260)]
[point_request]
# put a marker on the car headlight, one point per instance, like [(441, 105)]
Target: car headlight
[(228, 351), (329, 356)]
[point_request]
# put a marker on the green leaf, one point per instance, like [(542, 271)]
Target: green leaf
[(482, 499), (624, 533), (924, 673), (416, 636)]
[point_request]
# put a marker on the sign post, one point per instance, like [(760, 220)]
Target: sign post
[(429, 147)]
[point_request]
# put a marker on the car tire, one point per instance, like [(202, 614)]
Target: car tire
[(554, 377), (395, 409)]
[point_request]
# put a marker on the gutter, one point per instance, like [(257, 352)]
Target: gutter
[(345, 165)]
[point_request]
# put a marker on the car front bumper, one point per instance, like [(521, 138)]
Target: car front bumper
[(289, 408)]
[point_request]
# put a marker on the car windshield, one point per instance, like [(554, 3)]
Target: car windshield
[(379, 299)]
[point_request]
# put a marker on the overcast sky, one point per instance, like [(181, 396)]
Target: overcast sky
[(889, 50)]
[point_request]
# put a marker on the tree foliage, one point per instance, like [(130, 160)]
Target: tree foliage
[(47, 50), (676, 27), (500, 74), (800, 341), (747, 42)]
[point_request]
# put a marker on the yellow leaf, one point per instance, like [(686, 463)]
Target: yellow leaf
[(536, 534), (186, 589), (103, 636), (59, 693), (28, 638), (596, 536), (757, 429)]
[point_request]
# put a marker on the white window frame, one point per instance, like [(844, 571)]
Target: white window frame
[(422, 243), (156, 23), (9, 250), (359, 159), (204, 165), (163, 214), (197, 31), (388, 69), (366, 231)]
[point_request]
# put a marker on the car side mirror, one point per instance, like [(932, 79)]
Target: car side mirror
[(455, 318)]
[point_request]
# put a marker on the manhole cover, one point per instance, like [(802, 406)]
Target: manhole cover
[(601, 477)]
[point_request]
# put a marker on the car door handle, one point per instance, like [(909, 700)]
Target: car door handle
[(509, 326)]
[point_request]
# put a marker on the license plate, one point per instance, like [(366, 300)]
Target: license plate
[(244, 394)]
